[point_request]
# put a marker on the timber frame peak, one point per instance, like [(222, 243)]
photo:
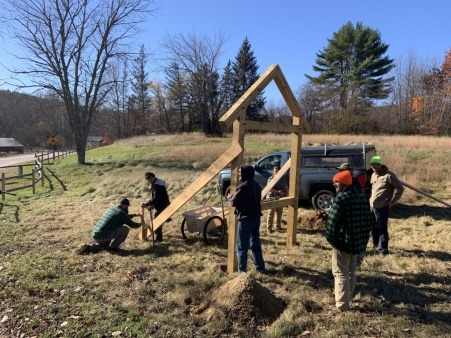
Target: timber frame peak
[(236, 117)]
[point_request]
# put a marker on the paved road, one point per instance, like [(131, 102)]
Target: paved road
[(15, 160)]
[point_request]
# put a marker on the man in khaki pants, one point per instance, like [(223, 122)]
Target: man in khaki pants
[(280, 189), (348, 230)]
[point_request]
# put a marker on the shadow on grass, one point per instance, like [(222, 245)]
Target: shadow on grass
[(158, 250), (416, 295), (63, 186), (407, 294), (401, 211), (439, 255), (4, 205)]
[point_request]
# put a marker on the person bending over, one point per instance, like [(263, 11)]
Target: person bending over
[(111, 231)]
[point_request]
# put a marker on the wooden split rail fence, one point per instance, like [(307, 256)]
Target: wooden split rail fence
[(36, 175)]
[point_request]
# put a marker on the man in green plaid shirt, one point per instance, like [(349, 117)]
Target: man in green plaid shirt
[(348, 230), (110, 231)]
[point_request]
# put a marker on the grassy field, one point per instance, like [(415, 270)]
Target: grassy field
[(46, 290)]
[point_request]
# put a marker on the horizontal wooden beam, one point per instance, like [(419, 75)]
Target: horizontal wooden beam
[(281, 202), (270, 126)]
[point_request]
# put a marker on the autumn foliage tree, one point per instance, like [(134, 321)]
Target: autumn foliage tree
[(430, 111)]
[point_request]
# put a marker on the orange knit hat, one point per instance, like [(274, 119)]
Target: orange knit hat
[(343, 177)]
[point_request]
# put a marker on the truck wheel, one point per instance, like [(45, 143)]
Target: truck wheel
[(323, 199)]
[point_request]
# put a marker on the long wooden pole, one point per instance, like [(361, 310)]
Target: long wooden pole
[(426, 194)]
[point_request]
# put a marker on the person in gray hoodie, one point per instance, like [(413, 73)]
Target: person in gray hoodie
[(247, 205)]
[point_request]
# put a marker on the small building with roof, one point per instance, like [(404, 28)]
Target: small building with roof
[(94, 141), (10, 145)]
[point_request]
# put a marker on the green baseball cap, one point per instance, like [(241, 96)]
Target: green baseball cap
[(377, 160)]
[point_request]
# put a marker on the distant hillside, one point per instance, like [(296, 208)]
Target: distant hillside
[(31, 120)]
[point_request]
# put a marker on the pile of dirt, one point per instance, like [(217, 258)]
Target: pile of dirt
[(242, 301), (316, 220)]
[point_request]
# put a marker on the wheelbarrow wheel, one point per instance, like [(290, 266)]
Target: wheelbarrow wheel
[(183, 229), (215, 230)]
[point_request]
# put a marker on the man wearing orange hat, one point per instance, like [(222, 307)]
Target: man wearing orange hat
[(348, 230)]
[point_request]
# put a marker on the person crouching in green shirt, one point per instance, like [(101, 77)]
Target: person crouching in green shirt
[(110, 231), (348, 231)]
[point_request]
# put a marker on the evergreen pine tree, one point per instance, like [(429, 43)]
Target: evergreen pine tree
[(353, 66), (140, 86), (245, 73), (227, 93)]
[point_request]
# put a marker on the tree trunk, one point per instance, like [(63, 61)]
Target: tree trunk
[(81, 139)]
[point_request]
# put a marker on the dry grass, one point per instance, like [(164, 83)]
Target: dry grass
[(47, 291)]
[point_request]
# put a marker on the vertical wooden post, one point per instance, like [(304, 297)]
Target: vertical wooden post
[(20, 171), (143, 225), (33, 180), (42, 174), (237, 138), (292, 214), (3, 186)]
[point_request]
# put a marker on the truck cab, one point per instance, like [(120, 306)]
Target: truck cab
[(318, 166)]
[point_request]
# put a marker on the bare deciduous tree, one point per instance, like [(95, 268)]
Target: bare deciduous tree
[(198, 57), (68, 48)]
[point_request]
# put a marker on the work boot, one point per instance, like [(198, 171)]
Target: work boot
[(96, 247), (83, 250)]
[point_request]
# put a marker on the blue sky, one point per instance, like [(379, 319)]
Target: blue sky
[(291, 32)]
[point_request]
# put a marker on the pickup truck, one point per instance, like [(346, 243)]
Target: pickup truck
[(318, 166)]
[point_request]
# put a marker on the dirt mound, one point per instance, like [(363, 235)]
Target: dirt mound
[(316, 220), (243, 301)]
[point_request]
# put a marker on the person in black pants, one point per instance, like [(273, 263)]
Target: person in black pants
[(159, 199)]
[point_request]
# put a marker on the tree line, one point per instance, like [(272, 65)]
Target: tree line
[(81, 57)]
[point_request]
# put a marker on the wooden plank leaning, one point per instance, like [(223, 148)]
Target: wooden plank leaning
[(425, 194), (194, 187)]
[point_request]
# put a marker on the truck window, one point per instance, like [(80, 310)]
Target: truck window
[(323, 162), (268, 163), (357, 162)]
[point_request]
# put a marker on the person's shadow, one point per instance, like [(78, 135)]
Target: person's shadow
[(438, 213), (157, 250)]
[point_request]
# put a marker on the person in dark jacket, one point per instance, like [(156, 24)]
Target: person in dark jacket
[(348, 231), (159, 199), (247, 205)]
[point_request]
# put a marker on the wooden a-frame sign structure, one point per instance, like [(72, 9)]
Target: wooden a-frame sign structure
[(236, 117)]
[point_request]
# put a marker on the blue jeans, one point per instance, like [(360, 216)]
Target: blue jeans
[(249, 237), (379, 232)]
